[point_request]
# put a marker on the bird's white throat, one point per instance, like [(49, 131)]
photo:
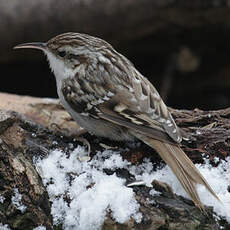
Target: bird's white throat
[(58, 67)]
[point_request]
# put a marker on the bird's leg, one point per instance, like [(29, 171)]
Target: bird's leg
[(83, 140), (80, 132)]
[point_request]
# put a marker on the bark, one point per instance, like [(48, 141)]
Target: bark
[(26, 131)]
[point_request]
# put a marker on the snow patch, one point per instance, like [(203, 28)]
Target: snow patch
[(4, 227), (217, 177), (40, 228), (17, 201), (82, 193), (2, 198)]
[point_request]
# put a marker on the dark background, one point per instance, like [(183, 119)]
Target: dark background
[(182, 47)]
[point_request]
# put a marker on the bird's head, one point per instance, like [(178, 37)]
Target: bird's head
[(66, 52)]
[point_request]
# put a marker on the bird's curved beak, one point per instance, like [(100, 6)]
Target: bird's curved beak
[(32, 45)]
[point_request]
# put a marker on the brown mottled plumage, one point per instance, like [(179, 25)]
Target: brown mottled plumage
[(107, 96)]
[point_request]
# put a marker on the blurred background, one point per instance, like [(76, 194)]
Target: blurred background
[(181, 46)]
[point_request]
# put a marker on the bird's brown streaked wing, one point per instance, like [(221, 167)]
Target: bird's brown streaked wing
[(148, 131), (111, 110), (142, 105), (141, 109), (156, 110)]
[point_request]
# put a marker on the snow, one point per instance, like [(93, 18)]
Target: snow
[(40, 228), (90, 192), (220, 181), (17, 201), (217, 177), (4, 227), (82, 194), (153, 192), (2, 198)]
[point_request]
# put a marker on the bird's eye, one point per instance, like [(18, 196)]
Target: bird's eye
[(61, 53)]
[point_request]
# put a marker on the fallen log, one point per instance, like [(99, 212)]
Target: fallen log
[(27, 132)]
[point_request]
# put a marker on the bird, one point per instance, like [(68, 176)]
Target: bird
[(107, 96)]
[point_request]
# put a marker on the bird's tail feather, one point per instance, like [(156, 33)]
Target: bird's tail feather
[(183, 168)]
